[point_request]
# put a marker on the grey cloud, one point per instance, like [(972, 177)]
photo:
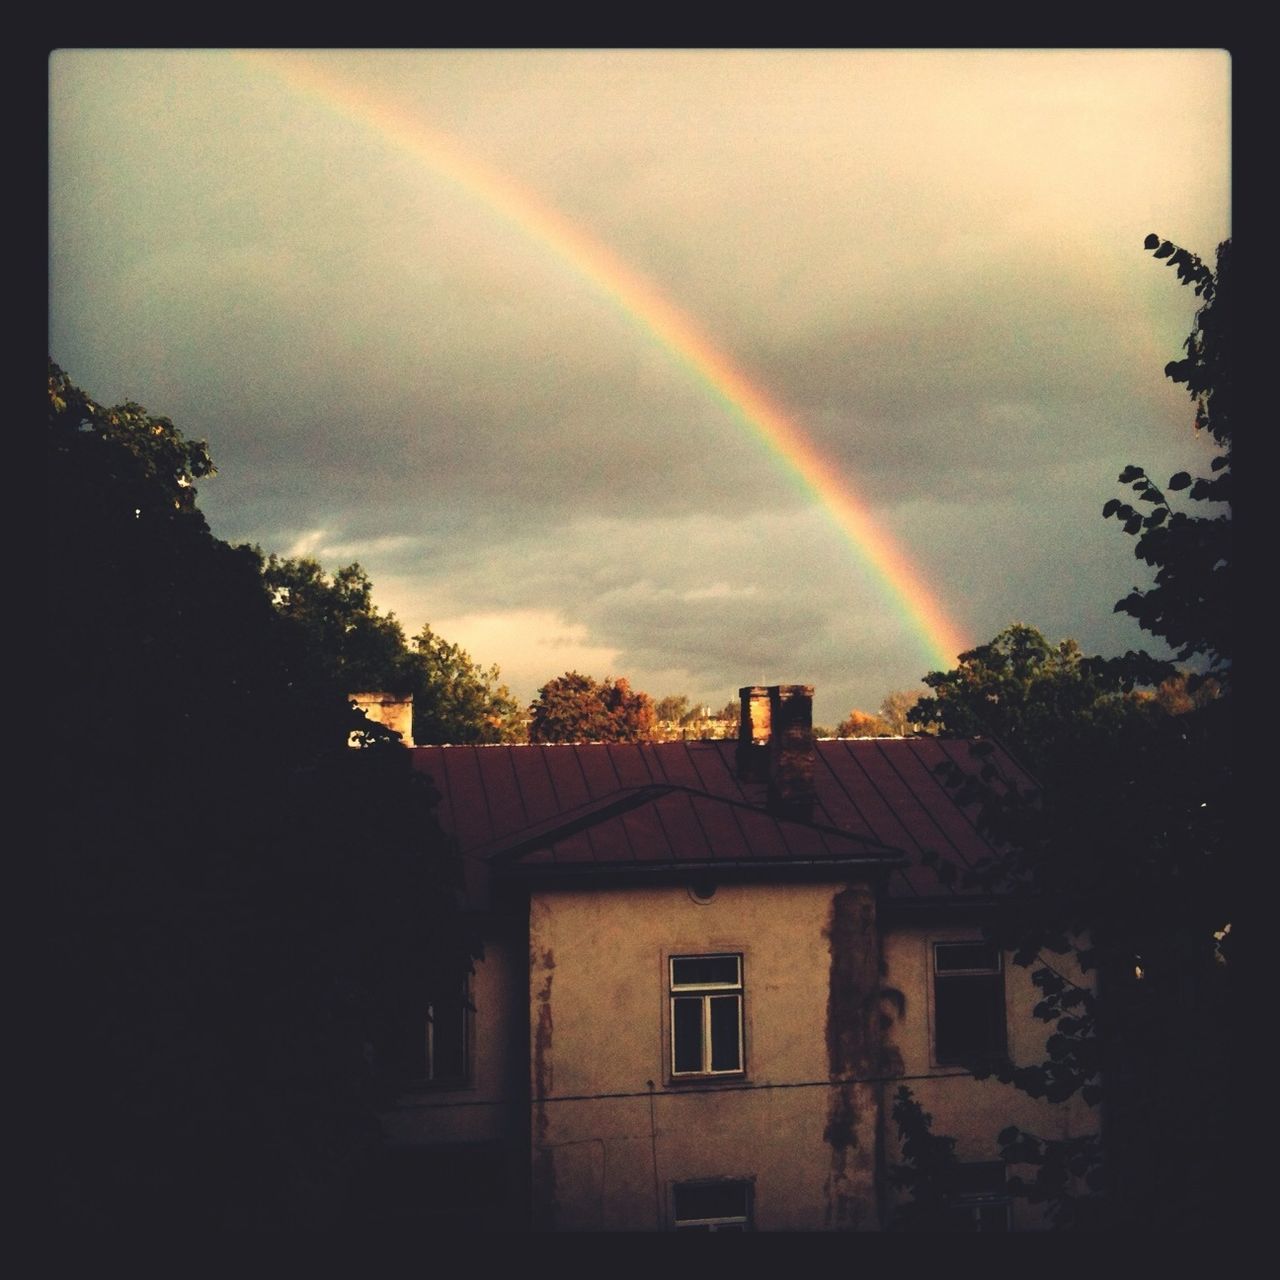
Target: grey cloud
[(930, 261)]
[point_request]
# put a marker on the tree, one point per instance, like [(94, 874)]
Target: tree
[(892, 722), (1189, 604), (1035, 696), (457, 700), (861, 724), (895, 708), (672, 709), (243, 907), (1127, 844), (340, 626), (362, 649), (575, 708)]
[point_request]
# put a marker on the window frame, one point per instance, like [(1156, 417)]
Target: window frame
[(432, 1077), (706, 993), (965, 1207), (991, 979)]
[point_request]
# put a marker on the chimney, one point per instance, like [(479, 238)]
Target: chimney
[(775, 744), (391, 709), (753, 734)]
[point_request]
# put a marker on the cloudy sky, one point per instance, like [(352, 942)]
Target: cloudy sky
[(372, 281)]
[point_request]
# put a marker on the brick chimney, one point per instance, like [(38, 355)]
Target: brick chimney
[(775, 744)]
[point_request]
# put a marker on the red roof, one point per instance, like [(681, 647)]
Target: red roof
[(613, 806)]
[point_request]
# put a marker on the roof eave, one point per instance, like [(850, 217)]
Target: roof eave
[(719, 869)]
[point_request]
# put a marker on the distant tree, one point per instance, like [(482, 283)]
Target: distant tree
[(861, 724), (673, 708), (894, 709), (731, 714), (575, 708), (457, 700), (1180, 694)]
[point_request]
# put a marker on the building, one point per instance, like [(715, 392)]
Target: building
[(393, 710), (708, 968)]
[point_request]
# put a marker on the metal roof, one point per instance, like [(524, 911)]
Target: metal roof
[(600, 806)]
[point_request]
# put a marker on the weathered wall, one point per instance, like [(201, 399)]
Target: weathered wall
[(612, 1132), (971, 1111), (491, 1106), (389, 709)]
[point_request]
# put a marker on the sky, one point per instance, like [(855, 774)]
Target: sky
[(702, 368)]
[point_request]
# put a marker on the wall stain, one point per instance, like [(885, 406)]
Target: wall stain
[(544, 1179), (853, 1054)]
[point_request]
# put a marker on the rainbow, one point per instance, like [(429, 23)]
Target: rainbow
[(640, 299)]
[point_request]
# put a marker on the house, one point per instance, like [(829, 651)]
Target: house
[(708, 968)]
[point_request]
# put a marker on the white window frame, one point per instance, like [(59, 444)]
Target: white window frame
[(707, 992)]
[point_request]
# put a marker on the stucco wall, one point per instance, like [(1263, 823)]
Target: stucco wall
[(388, 709), (612, 1132), (491, 1106), (971, 1111)]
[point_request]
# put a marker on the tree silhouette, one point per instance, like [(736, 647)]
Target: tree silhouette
[(1128, 846), (246, 911)]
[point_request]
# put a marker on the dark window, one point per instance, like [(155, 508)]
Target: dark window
[(446, 1059), (968, 1002), (713, 1206), (706, 1015)]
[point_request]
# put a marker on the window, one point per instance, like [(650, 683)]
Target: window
[(706, 1015), (713, 1206), (446, 1057), (978, 1200), (968, 1002)]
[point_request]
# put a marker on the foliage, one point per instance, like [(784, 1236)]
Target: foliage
[(1068, 1176), (1034, 696), (243, 907), (457, 700), (340, 626), (892, 722), (860, 724), (929, 1161), (1189, 604), (361, 649), (1124, 855), (895, 710), (575, 708), (672, 709)]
